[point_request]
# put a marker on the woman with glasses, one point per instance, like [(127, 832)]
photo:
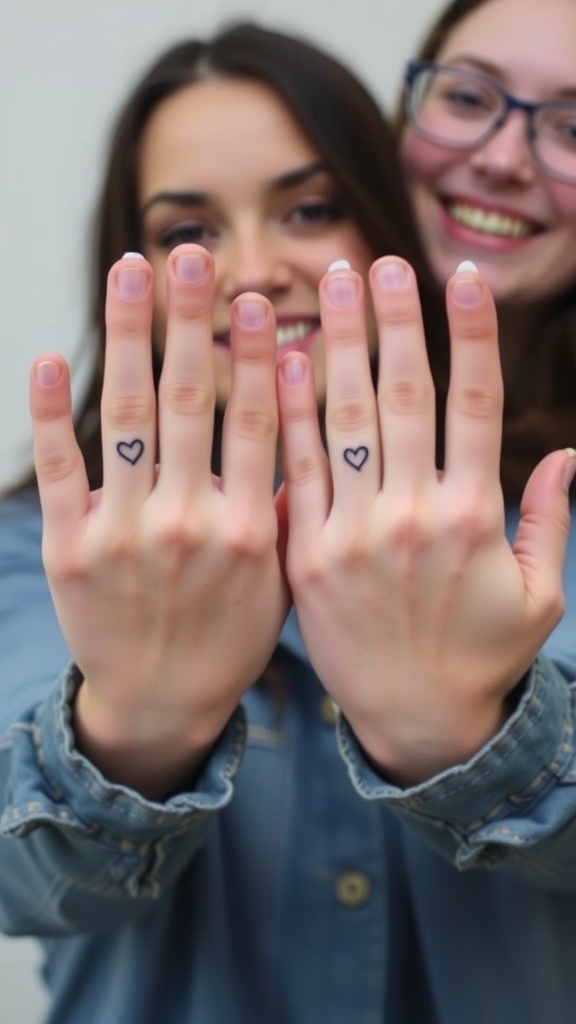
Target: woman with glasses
[(489, 146)]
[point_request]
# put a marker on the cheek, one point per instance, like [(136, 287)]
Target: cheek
[(563, 197)]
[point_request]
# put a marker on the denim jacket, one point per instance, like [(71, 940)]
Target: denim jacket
[(293, 885)]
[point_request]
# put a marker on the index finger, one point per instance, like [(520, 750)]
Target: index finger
[(60, 471)]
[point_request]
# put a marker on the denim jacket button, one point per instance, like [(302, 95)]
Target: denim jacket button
[(353, 889), (329, 710)]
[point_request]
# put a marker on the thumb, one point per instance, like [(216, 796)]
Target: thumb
[(540, 542)]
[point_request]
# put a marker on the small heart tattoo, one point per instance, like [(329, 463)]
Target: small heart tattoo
[(130, 450), (356, 457)]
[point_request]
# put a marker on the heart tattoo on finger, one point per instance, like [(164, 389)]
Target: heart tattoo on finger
[(130, 450), (356, 457)]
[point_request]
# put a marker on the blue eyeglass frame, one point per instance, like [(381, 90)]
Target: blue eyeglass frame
[(511, 102)]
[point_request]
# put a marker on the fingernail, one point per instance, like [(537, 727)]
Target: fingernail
[(191, 268), (132, 282), (293, 370), (48, 373), (570, 468), (467, 293), (339, 265), (466, 265), (390, 276), (342, 291), (133, 256), (251, 313)]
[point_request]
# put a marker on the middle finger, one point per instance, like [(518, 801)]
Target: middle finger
[(186, 390)]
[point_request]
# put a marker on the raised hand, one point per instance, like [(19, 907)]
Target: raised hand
[(419, 616), (167, 583)]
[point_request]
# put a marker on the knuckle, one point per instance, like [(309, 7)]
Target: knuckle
[(248, 538), (474, 328), (471, 526), (406, 394), (301, 470), (478, 401), (409, 535), (253, 423), (351, 414), (118, 548), (187, 398), (177, 534), (62, 566), (128, 410), (128, 322), (55, 465), (189, 307), (400, 310), (355, 549), (306, 572)]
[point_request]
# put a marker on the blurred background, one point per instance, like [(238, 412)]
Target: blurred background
[(65, 66)]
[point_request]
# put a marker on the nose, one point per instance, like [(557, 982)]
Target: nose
[(252, 261), (506, 156)]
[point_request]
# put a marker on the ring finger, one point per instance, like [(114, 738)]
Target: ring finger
[(128, 399), (351, 413)]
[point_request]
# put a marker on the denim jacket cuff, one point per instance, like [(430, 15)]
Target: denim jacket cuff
[(79, 787), (512, 771)]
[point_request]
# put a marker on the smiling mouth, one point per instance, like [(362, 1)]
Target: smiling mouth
[(489, 222), (286, 334)]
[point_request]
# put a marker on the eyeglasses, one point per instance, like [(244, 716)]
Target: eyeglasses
[(463, 109)]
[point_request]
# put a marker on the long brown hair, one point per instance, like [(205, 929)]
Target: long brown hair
[(540, 391), (334, 110)]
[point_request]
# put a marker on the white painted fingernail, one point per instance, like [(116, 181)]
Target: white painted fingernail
[(339, 265), (467, 265), (133, 256), (570, 468)]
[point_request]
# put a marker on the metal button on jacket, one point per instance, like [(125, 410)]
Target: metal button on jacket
[(353, 889), (329, 710)]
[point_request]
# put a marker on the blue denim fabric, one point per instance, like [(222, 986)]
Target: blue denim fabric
[(235, 903)]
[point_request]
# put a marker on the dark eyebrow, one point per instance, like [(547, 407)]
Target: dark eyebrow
[(297, 177), (280, 184), (484, 67)]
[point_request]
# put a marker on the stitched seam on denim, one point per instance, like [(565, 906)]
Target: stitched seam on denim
[(133, 809)]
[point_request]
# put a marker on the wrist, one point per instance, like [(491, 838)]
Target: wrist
[(425, 748), (148, 750)]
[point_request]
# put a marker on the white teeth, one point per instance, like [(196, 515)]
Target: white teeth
[(490, 223), (293, 332)]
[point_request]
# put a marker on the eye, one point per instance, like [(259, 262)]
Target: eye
[(458, 96), (463, 98), (565, 130), (466, 101), (192, 231), (315, 212)]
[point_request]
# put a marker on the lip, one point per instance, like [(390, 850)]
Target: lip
[(306, 327), (483, 239)]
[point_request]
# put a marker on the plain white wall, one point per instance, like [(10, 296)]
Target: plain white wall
[(64, 66)]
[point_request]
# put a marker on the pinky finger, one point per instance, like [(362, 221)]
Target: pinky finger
[(62, 480), (304, 460)]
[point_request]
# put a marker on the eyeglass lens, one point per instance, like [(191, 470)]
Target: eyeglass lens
[(464, 110)]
